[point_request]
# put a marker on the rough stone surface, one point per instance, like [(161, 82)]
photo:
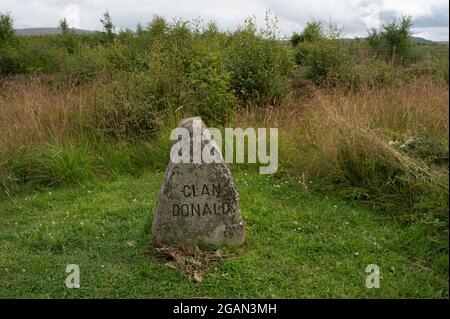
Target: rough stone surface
[(197, 203)]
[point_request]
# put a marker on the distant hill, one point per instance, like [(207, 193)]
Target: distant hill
[(47, 31), (413, 39), (421, 40), (52, 31)]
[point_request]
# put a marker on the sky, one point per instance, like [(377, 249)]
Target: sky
[(353, 16)]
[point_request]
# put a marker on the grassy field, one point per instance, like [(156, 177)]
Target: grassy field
[(300, 243), (363, 159)]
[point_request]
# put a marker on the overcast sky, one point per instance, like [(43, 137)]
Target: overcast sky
[(354, 16)]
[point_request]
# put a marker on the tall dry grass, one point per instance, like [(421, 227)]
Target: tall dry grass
[(32, 114), (386, 145), (53, 135)]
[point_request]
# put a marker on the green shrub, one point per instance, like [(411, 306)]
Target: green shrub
[(128, 106), (377, 73), (83, 67), (28, 55), (393, 40), (440, 64), (326, 61), (6, 28), (69, 41), (259, 67), (11, 60), (43, 55), (210, 95), (313, 32)]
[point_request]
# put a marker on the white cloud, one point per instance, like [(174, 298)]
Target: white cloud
[(355, 16)]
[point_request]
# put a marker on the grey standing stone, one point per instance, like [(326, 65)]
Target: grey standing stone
[(197, 203)]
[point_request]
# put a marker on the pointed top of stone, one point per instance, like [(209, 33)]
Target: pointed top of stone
[(188, 122)]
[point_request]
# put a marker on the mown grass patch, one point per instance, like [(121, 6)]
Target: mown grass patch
[(299, 244)]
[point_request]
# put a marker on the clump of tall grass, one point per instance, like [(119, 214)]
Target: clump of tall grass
[(72, 162), (52, 135), (387, 147), (32, 114)]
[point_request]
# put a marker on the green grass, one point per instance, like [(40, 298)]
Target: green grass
[(299, 244)]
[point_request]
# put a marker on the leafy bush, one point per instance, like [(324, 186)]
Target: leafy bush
[(83, 67), (313, 32), (440, 65), (28, 55), (325, 61), (6, 28), (210, 94), (11, 60), (259, 66), (393, 40)]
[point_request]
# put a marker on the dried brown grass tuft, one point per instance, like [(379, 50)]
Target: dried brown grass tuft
[(31, 114), (356, 138)]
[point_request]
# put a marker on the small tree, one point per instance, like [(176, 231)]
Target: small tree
[(69, 41), (295, 39), (108, 25), (313, 32), (393, 40), (158, 26), (6, 27), (63, 26)]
